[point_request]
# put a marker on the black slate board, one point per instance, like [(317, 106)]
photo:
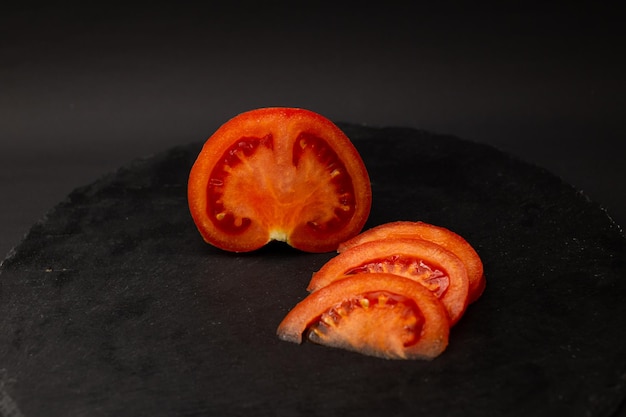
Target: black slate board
[(113, 306)]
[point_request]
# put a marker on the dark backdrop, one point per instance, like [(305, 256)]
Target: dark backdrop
[(85, 89)]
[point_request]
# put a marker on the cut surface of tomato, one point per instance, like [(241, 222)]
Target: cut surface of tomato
[(431, 265), (386, 316), (281, 174), (437, 234)]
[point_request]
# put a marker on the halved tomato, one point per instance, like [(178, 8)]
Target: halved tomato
[(386, 316), (427, 263), (279, 174), (437, 234)]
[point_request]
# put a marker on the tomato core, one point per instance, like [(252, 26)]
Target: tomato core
[(239, 187)]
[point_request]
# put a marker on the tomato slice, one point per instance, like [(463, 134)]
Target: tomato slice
[(386, 316), (433, 266), (280, 174), (439, 235)]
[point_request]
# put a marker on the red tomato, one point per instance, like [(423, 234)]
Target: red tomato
[(439, 235), (436, 268), (279, 174), (386, 315)]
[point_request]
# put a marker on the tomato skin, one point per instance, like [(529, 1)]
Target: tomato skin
[(403, 256), (431, 341), (282, 174), (437, 234)]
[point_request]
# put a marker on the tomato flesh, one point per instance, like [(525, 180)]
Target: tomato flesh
[(386, 316), (436, 234), (279, 174), (427, 263), (351, 315)]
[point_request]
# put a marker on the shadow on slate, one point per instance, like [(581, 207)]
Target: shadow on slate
[(113, 305)]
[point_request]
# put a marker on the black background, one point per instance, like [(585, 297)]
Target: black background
[(85, 89)]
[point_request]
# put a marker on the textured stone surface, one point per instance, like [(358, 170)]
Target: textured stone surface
[(113, 305)]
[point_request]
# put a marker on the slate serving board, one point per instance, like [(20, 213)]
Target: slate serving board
[(114, 306)]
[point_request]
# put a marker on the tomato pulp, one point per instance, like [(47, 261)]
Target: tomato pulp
[(280, 174), (427, 263), (385, 315)]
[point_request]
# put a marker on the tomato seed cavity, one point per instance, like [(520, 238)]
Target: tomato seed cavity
[(434, 279), (234, 155), (338, 176)]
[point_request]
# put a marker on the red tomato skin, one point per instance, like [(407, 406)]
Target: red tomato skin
[(437, 234), (270, 136), (434, 335), (455, 296)]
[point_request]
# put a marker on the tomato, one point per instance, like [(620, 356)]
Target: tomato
[(386, 316), (439, 235), (280, 174), (436, 268)]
